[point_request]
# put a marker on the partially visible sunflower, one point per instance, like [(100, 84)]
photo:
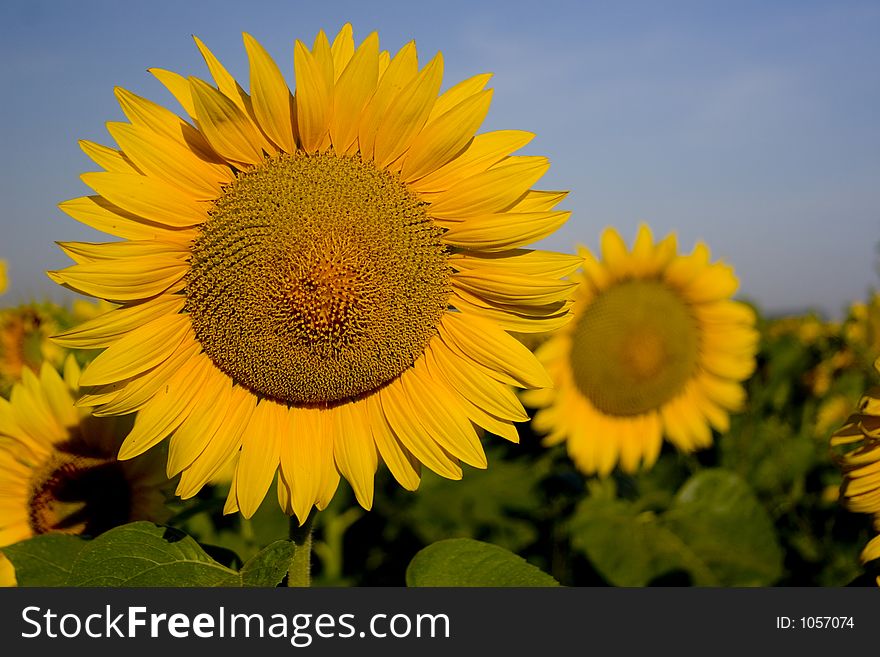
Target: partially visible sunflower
[(4, 277), (859, 440), (657, 347), (861, 328), (58, 466), (25, 343), (25, 333), (318, 280)]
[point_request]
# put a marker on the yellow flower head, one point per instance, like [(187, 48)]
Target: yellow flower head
[(657, 347), (58, 467), (316, 280), (4, 277), (24, 341), (861, 329), (859, 439)]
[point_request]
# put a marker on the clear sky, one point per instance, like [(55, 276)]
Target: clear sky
[(752, 126)]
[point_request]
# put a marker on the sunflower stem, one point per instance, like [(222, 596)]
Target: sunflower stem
[(299, 572)]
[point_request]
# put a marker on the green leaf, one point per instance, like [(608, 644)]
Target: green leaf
[(718, 516), (144, 554), (630, 547), (44, 560), (269, 567), (466, 562), (715, 530)]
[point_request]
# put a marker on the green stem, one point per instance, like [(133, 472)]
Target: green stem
[(299, 572)]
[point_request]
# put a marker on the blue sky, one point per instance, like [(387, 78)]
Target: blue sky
[(749, 125)]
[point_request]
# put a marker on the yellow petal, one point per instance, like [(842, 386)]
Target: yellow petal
[(81, 252), (224, 444), (494, 190), (148, 114), (513, 289), (482, 390), (536, 200), (400, 461), (528, 262), (354, 88), (306, 456), (445, 422), (134, 393), (445, 137), (343, 50), (58, 396), (313, 100), (408, 113), (401, 70), (486, 344), (355, 451), (226, 84), (503, 231), (260, 455), (150, 198), (228, 129), (141, 349), (717, 282), (138, 278), (458, 93), (522, 319), (198, 429), (615, 255), (178, 86), (167, 409), (408, 429), (109, 158), (273, 104), (98, 213), (170, 162), (484, 151)]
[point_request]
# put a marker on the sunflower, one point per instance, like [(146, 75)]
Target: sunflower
[(58, 466), (656, 347), (25, 333), (4, 277), (859, 439), (25, 343), (318, 280)]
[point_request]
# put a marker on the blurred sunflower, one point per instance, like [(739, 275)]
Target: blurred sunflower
[(58, 467), (859, 439), (4, 277), (318, 280), (656, 347), (25, 343), (861, 328), (25, 333)]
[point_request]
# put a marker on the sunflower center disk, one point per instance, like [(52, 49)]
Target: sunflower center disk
[(79, 494), (316, 279), (634, 348)]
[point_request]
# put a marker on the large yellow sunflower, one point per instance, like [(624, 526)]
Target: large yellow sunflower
[(320, 280), (859, 439), (58, 466), (656, 347)]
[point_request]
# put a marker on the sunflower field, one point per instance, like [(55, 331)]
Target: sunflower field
[(319, 347)]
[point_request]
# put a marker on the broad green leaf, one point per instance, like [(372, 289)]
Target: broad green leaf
[(630, 547), (144, 554), (44, 560), (466, 562), (718, 516), (715, 530), (269, 567)]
